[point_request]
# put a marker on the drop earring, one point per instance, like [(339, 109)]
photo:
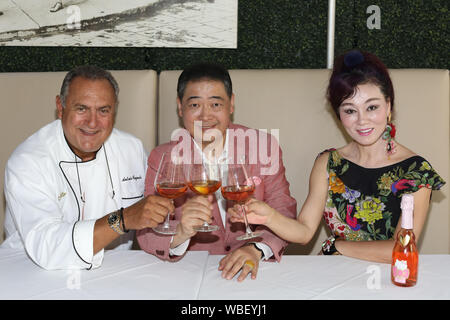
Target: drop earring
[(389, 135)]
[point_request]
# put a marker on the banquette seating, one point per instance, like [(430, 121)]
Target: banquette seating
[(290, 101)]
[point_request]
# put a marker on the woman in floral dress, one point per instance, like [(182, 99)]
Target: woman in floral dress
[(357, 188)]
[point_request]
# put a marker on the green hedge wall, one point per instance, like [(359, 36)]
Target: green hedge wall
[(278, 34), (413, 34)]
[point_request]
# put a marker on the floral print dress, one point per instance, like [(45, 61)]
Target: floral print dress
[(364, 203)]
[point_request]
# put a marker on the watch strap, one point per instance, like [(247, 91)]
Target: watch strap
[(116, 224)]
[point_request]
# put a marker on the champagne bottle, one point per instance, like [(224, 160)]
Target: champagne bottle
[(405, 258)]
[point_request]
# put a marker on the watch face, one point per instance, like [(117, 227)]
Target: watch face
[(112, 218)]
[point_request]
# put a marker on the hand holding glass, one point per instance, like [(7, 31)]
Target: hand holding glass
[(170, 183), (237, 186), (204, 179)]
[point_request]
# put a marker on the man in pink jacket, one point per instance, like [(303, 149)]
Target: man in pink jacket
[(206, 101)]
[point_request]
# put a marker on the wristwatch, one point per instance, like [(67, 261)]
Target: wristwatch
[(329, 247), (114, 222)]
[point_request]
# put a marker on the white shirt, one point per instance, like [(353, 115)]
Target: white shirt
[(44, 182)]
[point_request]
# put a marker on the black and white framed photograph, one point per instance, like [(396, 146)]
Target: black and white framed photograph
[(119, 23)]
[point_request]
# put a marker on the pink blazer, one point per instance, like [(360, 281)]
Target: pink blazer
[(271, 188)]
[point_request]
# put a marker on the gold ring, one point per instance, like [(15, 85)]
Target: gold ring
[(250, 263)]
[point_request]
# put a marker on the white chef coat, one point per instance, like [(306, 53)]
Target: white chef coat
[(44, 184)]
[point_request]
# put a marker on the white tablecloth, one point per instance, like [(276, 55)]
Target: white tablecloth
[(123, 275), (138, 275), (328, 277)]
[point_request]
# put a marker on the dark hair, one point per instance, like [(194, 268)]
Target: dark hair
[(88, 72), (352, 69), (204, 71)]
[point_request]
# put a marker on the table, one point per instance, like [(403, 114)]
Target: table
[(328, 278), (137, 275), (124, 275)]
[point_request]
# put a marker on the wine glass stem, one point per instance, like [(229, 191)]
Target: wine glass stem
[(205, 224), (247, 228), (166, 221), (166, 224)]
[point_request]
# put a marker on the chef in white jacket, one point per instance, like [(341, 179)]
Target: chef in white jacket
[(76, 186)]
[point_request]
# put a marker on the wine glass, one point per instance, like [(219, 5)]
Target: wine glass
[(238, 186), (204, 179), (170, 183)]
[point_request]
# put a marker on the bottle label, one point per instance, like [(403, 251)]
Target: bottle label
[(404, 240), (400, 271)]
